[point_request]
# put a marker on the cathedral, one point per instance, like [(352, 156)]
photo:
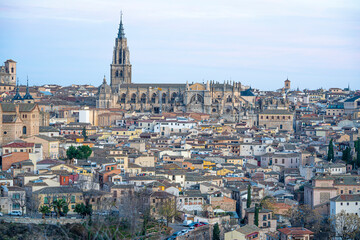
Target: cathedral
[(227, 98)]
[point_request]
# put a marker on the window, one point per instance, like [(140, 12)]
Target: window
[(46, 200), (72, 199), (24, 130), (16, 196)]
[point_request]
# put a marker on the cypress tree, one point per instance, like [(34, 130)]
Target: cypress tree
[(256, 216), (347, 157), (330, 155), (216, 232), (248, 201), (357, 150)]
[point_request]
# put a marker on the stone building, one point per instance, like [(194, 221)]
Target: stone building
[(21, 118), (277, 118), (211, 97), (8, 73)]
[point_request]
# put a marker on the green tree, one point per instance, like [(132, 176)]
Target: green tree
[(84, 134), (256, 216), (216, 232), (65, 209), (59, 205), (44, 209), (83, 210), (347, 157), (357, 150), (248, 200), (330, 155), (85, 151), (71, 153)]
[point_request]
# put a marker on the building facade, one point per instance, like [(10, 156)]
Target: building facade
[(8, 73)]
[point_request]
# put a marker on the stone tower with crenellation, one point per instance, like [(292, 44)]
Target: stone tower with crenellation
[(120, 69)]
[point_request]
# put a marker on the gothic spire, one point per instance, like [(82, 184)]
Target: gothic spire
[(17, 93), (27, 95), (121, 33)]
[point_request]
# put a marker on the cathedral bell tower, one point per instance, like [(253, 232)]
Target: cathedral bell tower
[(120, 69)]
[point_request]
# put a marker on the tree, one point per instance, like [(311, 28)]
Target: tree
[(85, 151), (347, 157), (216, 232), (311, 150), (304, 216), (357, 150), (81, 152), (168, 210), (44, 209), (84, 134), (59, 205), (248, 200), (346, 225), (268, 203), (256, 215), (83, 210), (19, 198), (330, 155), (71, 153)]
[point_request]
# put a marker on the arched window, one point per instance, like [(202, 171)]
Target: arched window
[(163, 99), (173, 97), (116, 73), (24, 130), (121, 73), (229, 99), (123, 98), (143, 98), (133, 98), (153, 98)]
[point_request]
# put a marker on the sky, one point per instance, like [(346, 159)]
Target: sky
[(256, 42)]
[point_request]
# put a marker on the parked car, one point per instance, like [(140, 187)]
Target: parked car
[(191, 228), (185, 231), (1, 214), (15, 213)]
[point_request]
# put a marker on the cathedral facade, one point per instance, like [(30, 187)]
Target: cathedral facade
[(211, 97)]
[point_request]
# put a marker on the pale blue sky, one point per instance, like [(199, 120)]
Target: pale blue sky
[(257, 42)]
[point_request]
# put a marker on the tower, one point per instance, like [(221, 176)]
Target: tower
[(120, 69), (287, 84)]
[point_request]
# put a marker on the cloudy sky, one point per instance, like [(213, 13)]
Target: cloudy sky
[(257, 42)]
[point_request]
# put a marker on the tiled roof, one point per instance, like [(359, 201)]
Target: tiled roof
[(295, 231), (247, 229), (57, 190), (9, 118), (19, 145), (346, 198), (23, 107)]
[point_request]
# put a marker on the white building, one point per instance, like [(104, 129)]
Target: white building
[(167, 127)]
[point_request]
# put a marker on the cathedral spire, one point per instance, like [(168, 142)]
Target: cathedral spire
[(121, 33), (17, 96), (27, 95)]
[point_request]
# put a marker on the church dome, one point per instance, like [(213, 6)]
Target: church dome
[(104, 88)]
